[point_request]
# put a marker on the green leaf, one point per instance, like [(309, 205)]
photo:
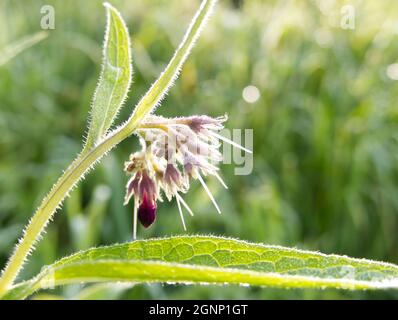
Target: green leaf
[(216, 260), (115, 77), (12, 50)]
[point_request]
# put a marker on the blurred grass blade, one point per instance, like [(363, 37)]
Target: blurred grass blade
[(115, 77), (204, 259), (12, 50)]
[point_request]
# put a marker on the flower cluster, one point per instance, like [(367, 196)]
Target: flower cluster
[(174, 151)]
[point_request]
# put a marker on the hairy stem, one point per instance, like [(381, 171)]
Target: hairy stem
[(53, 200), (87, 159)]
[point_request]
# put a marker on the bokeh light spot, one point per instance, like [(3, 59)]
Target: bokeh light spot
[(251, 94), (392, 71)]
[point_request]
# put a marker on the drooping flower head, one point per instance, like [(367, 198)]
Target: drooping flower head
[(174, 152), (144, 189)]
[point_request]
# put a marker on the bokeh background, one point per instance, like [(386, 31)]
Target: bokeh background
[(325, 124)]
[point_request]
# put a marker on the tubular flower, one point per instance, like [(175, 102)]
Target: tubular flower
[(174, 152)]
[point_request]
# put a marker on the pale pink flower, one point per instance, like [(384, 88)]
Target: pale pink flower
[(174, 151)]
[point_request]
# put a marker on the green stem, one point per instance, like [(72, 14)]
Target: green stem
[(88, 158), (71, 176)]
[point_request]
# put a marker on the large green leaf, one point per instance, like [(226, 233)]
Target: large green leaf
[(205, 259), (115, 77)]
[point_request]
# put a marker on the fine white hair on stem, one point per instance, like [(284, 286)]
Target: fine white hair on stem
[(184, 204), (237, 145), (220, 179), (208, 192), (181, 215), (22, 245)]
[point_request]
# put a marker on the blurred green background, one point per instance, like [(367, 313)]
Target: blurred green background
[(325, 173)]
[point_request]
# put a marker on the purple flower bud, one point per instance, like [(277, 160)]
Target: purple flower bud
[(172, 181), (132, 187), (129, 166), (147, 211), (147, 187), (188, 169), (198, 123), (172, 175)]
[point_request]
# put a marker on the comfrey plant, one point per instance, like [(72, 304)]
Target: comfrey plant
[(173, 153)]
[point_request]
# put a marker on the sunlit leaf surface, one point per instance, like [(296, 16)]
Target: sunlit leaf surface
[(115, 77), (205, 259)]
